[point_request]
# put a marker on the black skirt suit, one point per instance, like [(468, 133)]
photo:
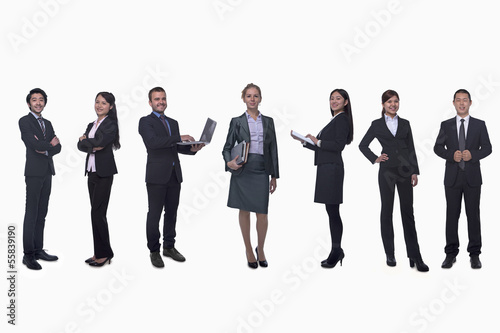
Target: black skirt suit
[(328, 159), (100, 181), (395, 172)]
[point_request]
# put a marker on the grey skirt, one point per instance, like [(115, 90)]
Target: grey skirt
[(249, 190)]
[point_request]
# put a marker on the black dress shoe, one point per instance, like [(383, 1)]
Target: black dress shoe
[(94, 263), (449, 261), (174, 254), (156, 259), (262, 263), (475, 262), (31, 262), (334, 257), (42, 255), (421, 266), (253, 264), (89, 260), (391, 261)]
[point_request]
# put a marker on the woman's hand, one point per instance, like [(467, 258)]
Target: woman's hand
[(272, 185), (296, 138), (233, 165), (82, 137), (382, 158), (414, 180), (313, 138)]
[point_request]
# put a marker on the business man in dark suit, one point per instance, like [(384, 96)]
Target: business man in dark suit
[(41, 144), (398, 168), (462, 141), (163, 175)]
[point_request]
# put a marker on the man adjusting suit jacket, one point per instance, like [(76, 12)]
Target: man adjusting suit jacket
[(462, 141)]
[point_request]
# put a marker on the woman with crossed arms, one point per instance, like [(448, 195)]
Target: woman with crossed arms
[(99, 141)]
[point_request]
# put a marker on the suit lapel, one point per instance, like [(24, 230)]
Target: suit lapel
[(245, 130), (36, 123), (454, 132), (265, 124)]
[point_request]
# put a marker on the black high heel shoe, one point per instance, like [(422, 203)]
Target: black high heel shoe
[(333, 259), (262, 263), (89, 260), (253, 264), (96, 264), (421, 266)]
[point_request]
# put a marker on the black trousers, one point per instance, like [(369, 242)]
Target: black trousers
[(99, 192), (162, 196), (471, 195), (37, 206), (389, 179)]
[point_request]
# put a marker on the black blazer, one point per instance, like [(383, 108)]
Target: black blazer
[(333, 140), (400, 148), (239, 131), (104, 137), (477, 142), (31, 133), (162, 149)]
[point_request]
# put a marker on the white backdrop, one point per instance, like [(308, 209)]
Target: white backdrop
[(203, 52)]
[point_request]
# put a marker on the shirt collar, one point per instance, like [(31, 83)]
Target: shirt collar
[(387, 118), (95, 122), (157, 114), (34, 115), (466, 118), (249, 116)]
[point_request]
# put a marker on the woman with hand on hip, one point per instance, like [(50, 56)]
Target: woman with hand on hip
[(398, 168), (328, 146), (250, 185), (99, 141)]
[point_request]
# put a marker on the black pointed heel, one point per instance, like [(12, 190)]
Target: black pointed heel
[(262, 263)]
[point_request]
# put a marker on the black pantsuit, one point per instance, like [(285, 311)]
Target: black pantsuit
[(38, 173), (100, 182), (389, 179), (395, 173), (464, 183), (99, 193)]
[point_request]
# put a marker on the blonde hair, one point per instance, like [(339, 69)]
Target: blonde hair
[(250, 85)]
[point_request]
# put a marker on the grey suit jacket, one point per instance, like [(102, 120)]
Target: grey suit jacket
[(239, 131)]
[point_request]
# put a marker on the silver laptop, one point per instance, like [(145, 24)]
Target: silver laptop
[(206, 135)]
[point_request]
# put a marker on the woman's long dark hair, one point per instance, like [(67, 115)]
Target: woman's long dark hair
[(347, 111), (112, 114), (387, 95)]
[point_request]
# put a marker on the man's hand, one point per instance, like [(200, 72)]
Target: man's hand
[(466, 155), (187, 138), (457, 157), (54, 142), (195, 148)]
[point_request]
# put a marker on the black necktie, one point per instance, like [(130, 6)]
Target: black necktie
[(42, 125), (461, 142), (164, 121)]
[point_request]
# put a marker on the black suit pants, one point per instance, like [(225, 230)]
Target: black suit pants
[(99, 192), (162, 196), (37, 205), (471, 195), (389, 179)]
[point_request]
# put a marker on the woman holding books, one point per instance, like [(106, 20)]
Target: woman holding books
[(250, 185), (398, 168), (328, 146)]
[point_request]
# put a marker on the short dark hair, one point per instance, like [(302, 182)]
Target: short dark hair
[(36, 91), (155, 89), (462, 91)]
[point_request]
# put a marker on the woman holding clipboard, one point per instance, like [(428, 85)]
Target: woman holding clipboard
[(328, 146), (250, 185)]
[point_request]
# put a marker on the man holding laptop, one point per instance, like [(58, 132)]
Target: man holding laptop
[(163, 174)]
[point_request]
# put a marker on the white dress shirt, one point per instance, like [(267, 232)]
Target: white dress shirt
[(392, 124), (91, 164)]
